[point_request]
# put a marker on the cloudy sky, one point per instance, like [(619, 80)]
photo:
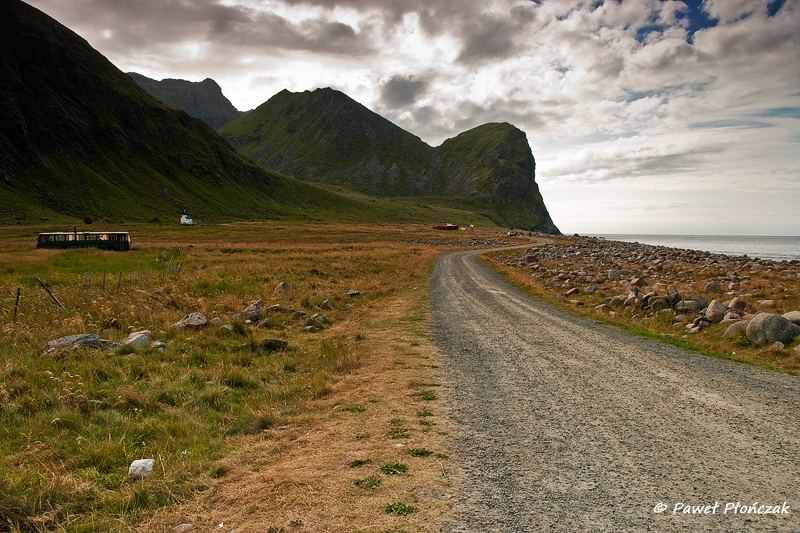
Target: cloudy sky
[(645, 116)]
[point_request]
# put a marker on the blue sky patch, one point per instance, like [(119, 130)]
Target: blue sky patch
[(730, 123), (782, 112)]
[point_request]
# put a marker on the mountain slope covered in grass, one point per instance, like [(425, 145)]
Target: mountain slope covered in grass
[(325, 136), (203, 100), (80, 140)]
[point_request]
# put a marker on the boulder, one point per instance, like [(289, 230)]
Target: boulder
[(274, 345), (736, 329), (767, 328), (659, 304), (283, 288), (192, 320), (765, 305), (158, 345), (352, 294), (673, 296), (793, 317), (278, 308), (715, 311), (137, 339), (319, 321), (254, 311), (327, 304), (141, 468), (215, 322), (574, 290), (701, 302), (713, 287), (71, 342), (297, 315), (638, 282), (614, 275)]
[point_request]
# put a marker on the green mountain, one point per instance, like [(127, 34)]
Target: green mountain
[(325, 136), (203, 100), (80, 139)]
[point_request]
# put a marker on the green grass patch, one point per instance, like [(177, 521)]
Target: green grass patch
[(393, 469), (426, 395), (398, 433), (420, 452), (399, 509), (369, 483)]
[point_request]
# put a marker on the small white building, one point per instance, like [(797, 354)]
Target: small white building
[(186, 220)]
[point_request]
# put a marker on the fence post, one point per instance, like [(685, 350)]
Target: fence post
[(16, 305), (51, 294)]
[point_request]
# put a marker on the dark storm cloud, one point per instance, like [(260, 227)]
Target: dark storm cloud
[(402, 91), (146, 24), (492, 37), (271, 31)]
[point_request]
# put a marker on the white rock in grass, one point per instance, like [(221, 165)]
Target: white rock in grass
[(138, 339), (158, 345), (141, 468), (192, 320)]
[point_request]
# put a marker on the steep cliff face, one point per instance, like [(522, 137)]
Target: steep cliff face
[(325, 136), (203, 100)]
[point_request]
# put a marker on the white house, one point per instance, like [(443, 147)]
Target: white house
[(186, 220)]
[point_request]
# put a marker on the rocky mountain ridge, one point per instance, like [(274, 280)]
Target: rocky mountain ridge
[(325, 136), (203, 100)]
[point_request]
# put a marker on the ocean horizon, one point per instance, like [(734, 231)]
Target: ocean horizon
[(777, 248)]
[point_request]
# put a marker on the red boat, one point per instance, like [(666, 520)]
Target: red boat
[(445, 226)]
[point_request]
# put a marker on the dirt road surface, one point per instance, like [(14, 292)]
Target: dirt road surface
[(572, 426)]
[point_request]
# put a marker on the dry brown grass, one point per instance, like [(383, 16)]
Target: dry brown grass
[(375, 357), (301, 475)]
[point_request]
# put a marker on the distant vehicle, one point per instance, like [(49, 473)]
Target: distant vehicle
[(186, 219), (107, 240), (447, 226)]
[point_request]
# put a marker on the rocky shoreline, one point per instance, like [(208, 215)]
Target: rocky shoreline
[(753, 299)]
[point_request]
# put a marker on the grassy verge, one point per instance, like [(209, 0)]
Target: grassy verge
[(710, 342), (241, 435)]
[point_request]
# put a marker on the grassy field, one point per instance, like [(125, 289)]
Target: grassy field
[(308, 439)]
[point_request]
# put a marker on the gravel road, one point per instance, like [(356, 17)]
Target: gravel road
[(566, 425)]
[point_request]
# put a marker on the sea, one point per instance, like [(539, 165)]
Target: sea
[(775, 248)]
